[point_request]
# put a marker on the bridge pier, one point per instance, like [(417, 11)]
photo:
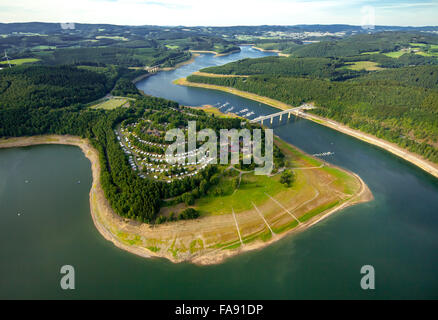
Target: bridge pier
[(280, 114), (152, 69)]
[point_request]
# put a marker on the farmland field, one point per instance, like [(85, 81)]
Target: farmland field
[(363, 65), (20, 61), (110, 104)]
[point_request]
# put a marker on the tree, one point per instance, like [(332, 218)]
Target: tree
[(287, 177), (203, 187), (188, 213), (236, 182), (188, 198), (160, 219)]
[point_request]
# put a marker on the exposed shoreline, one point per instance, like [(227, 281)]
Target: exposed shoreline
[(108, 223), (364, 195), (417, 160), (215, 53), (180, 64), (139, 78), (216, 75), (281, 54)]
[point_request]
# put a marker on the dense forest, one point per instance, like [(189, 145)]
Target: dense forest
[(54, 87), (303, 67), (285, 46), (421, 76), (364, 43), (127, 57)]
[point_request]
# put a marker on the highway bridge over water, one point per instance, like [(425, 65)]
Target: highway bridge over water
[(295, 111)]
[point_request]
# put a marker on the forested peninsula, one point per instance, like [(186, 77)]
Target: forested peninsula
[(176, 214)]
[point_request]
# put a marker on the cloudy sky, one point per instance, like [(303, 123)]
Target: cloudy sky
[(222, 12)]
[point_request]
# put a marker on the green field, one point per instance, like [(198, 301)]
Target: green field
[(428, 54), (44, 47), (110, 104), (395, 54), (432, 46), (20, 61), (363, 65), (426, 50), (112, 38), (371, 52), (172, 46), (252, 189), (418, 44)]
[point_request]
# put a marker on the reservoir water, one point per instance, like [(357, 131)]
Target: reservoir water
[(46, 223)]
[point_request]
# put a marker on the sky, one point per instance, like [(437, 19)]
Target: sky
[(223, 12)]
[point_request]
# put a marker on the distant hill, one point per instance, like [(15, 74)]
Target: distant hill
[(365, 43), (50, 28)]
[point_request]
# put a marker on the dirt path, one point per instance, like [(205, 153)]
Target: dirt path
[(237, 227), (285, 209), (261, 216)]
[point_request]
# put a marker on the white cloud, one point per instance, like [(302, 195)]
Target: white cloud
[(408, 5), (217, 12)]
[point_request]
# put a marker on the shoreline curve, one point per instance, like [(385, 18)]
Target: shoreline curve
[(107, 221), (415, 159)]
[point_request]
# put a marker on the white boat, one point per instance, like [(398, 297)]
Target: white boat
[(224, 105)]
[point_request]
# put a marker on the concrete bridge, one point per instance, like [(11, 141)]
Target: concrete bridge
[(152, 69), (295, 111)]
